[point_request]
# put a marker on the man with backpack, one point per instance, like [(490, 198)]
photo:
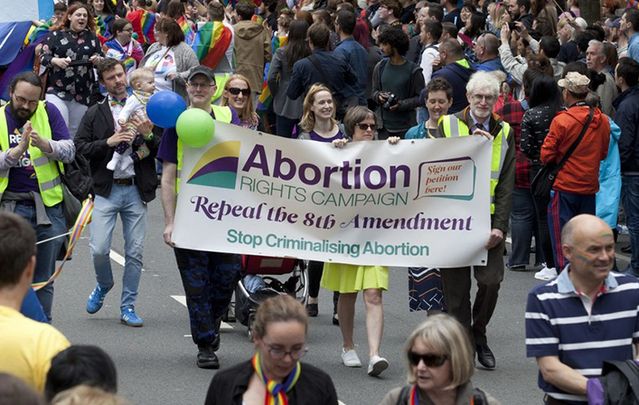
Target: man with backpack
[(584, 317), (33, 141)]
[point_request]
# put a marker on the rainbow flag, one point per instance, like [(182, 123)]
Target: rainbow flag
[(147, 22), (211, 43), (187, 29)]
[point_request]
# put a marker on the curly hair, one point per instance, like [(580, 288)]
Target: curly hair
[(396, 38)]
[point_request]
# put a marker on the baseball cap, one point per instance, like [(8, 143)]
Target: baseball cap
[(575, 82), (202, 70)]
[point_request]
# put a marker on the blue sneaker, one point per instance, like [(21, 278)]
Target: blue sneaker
[(96, 299), (130, 318)]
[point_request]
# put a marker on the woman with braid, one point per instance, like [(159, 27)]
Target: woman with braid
[(275, 374)]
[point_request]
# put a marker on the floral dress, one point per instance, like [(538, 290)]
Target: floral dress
[(78, 81)]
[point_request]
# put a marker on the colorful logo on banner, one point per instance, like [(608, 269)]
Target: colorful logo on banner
[(218, 166)]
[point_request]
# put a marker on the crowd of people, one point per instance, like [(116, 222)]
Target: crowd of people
[(550, 89)]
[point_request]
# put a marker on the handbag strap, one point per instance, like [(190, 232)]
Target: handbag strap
[(576, 142)]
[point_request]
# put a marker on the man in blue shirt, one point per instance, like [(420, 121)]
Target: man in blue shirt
[(586, 316), (630, 27), (352, 52)]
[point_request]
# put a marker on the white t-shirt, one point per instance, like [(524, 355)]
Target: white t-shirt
[(163, 63)]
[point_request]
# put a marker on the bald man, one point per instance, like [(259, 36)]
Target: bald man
[(586, 316)]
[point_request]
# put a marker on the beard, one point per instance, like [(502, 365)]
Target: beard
[(22, 113)]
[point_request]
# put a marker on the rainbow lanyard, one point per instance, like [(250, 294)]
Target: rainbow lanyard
[(276, 393), (414, 395)]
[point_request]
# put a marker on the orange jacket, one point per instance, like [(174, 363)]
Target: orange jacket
[(580, 174)]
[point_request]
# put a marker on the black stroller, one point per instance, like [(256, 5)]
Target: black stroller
[(264, 277)]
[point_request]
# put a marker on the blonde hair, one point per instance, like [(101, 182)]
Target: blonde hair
[(247, 114), (446, 336), (84, 394), (281, 308), (140, 74), (307, 123)]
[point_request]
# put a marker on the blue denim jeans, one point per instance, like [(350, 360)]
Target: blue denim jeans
[(124, 200), (523, 226), (47, 251), (630, 200)]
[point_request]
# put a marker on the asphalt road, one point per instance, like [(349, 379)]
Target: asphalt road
[(156, 363)]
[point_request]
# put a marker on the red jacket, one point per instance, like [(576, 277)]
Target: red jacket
[(580, 174)]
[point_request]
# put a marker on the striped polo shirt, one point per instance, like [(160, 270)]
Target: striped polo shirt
[(564, 323)]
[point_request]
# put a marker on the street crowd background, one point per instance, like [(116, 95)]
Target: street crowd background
[(104, 81)]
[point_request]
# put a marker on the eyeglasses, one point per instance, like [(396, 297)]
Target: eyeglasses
[(483, 97), (22, 100), (366, 127), (430, 360), (235, 91), (201, 85), (279, 354)]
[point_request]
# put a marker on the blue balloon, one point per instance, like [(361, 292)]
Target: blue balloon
[(164, 108)]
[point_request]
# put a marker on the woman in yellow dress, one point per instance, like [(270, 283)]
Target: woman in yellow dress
[(348, 279)]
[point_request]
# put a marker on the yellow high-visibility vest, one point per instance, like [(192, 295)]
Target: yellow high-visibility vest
[(453, 126), (46, 170)]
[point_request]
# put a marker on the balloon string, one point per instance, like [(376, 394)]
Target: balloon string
[(83, 219)]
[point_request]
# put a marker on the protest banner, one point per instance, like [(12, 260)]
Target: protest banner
[(25, 10), (417, 203)]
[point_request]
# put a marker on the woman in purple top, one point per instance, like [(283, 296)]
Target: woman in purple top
[(318, 118), (319, 124)]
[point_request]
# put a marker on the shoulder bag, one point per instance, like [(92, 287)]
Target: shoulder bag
[(543, 181)]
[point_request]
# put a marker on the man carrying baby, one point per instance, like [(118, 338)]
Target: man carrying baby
[(125, 190)]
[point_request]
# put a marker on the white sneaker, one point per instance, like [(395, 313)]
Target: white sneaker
[(376, 365), (546, 273), (350, 358)]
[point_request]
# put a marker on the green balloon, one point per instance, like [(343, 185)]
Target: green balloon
[(195, 127)]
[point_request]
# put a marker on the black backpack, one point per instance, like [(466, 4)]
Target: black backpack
[(620, 381), (77, 177), (479, 396)]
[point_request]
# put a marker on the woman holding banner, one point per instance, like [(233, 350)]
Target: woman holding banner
[(318, 124), (348, 279)]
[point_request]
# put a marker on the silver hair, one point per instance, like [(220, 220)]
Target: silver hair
[(483, 80), (599, 44)]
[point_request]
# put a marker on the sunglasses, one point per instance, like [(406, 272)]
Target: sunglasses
[(235, 91), (366, 127), (430, 360)]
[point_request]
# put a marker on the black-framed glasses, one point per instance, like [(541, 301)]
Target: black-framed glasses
[(279, 354), (235, 91), (366, 127), (429, 359)]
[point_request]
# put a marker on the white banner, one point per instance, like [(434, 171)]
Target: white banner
[(417, 203)]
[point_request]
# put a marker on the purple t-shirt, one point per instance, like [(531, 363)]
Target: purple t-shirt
[(167, 152), (314, 136), (22, 178)]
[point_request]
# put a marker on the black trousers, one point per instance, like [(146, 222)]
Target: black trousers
[(456, 284)]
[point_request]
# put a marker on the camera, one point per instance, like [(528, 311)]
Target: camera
[(512, 27), (390, 101)]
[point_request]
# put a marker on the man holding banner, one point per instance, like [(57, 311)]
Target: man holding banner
[(33, 140), (477, 119), (209, 278)]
